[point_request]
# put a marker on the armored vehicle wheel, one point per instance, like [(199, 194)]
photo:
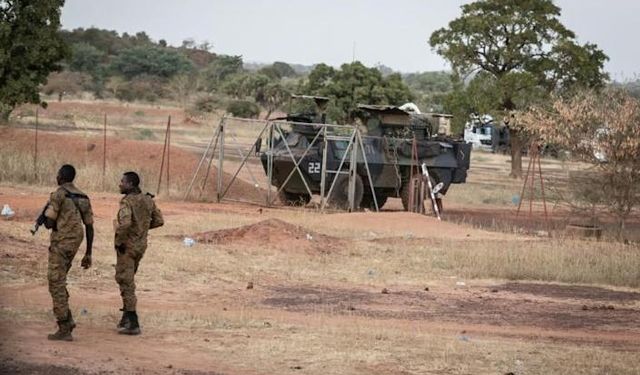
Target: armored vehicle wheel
[(404, 195), (367, 201), (294, 199), (340, 194)]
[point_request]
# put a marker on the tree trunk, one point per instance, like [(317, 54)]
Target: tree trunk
[(516, 153), (515, 138)]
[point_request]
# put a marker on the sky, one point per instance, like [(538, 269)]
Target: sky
[(392, 33)]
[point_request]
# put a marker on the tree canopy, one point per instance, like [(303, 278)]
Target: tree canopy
[(355, 84), (151, 61), (30, 49), (524, 49)]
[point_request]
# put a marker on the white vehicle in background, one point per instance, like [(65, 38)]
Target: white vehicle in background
[(479, 132)]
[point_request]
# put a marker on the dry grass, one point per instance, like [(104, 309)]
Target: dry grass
[(18, 169)]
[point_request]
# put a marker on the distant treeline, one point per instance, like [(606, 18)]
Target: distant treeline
[(135, 67)]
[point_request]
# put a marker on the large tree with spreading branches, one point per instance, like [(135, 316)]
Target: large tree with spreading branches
[(523, 50)]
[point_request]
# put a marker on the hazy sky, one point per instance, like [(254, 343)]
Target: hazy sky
[(393, 33)]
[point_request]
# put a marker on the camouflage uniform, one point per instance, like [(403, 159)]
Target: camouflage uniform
[(138, 213), (65, 241)]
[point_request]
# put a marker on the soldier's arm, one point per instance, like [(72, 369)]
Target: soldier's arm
[(156, 218), (53, 209), (87, 217), (123, 223)]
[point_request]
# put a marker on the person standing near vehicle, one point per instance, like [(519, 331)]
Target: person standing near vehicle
[(65, 213), (137, 214)]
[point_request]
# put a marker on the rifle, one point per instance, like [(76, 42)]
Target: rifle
[(39, 220)]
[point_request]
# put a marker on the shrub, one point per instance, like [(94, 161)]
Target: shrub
[(243, 108), (208, 104)]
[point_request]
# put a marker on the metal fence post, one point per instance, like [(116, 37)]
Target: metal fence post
[(220, 162)]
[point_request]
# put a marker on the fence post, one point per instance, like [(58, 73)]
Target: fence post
[(168, 155), (164, 150), (104, 152), (220, 163)]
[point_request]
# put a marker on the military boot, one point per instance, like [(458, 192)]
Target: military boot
[(63, 333), (124, 319), (131, 327), (72, 323)]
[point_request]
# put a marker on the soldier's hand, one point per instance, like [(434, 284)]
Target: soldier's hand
[(86, 262)]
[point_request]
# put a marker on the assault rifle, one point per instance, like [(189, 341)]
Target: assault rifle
[(39, 220)]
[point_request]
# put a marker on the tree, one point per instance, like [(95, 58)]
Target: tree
[(523, 45), (430, 88), (200, 55), (106, 41), (272, 97), (142, 87), (114, 84), (183, 86), (151, 61), (319, 78), (85, 58), (601, 128), (243, 108), (478, 96), (355, 84), (30, 49), (245, 84), (65, 83), (217, 71)]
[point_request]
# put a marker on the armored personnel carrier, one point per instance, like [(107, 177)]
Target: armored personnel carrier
[(389, 134)]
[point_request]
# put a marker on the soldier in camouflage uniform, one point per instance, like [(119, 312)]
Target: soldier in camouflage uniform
[(138, 213), (68, 208)]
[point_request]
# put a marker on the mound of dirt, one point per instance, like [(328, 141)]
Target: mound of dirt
[(273, 233)]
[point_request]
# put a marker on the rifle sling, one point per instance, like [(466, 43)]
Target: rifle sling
[(74, 198)]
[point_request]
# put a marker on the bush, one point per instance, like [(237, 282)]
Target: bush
[(243, 108), (145, 88), (208, 104)]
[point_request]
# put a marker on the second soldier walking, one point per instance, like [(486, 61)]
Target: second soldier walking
[(137, 214)]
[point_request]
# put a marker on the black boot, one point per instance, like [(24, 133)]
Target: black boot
[(63, 333), (131, 327), (124, 320), (72, 323)]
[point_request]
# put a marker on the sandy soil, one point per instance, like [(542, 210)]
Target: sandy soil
[(577, 315)]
